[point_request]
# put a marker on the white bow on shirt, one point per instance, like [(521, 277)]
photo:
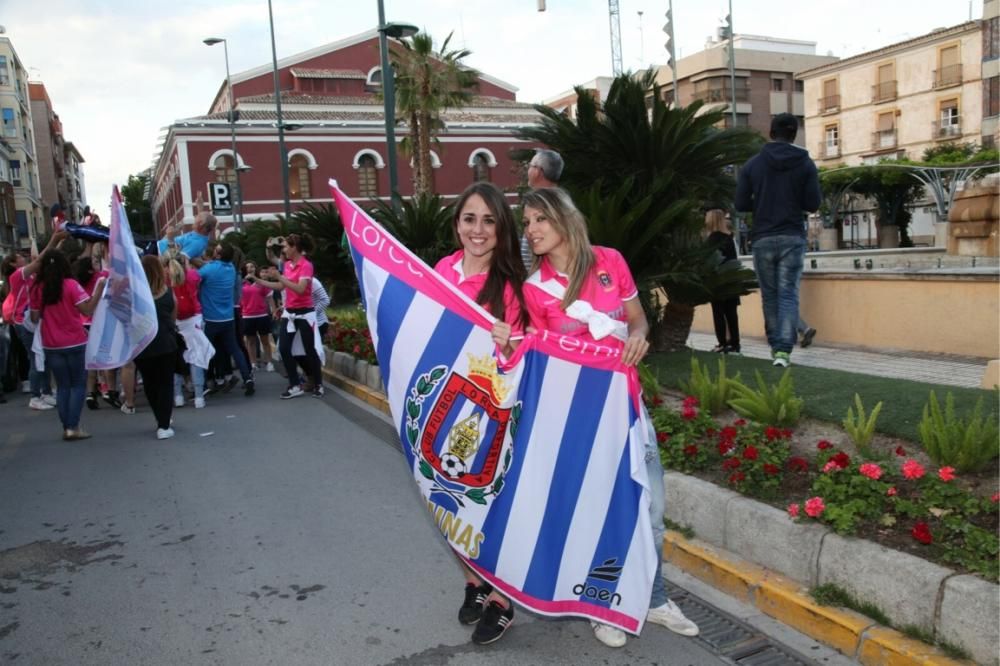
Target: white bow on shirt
[(598, 323)]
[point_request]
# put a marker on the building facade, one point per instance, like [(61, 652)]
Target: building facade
[(18, 133), (60, 176), (990, 73), (334, 128)]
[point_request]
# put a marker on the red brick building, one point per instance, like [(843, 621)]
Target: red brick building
[(331, 94)]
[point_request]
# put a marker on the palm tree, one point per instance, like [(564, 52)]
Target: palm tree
[(428, 82), (641, 173)]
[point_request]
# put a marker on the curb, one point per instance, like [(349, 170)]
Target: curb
[(781, 598)]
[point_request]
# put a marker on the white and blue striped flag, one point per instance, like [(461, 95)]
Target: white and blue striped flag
[(533, 469), (125, 319)]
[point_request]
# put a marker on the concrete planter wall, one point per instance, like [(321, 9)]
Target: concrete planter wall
[(960, 609), (346, 365)]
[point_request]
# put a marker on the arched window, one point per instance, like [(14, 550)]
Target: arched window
[(367, 177), (224, 171), (298, 172), (480, 168)]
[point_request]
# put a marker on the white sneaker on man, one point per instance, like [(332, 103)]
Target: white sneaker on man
[(39, 404), (269, 367), (164, 433), (199, 403), (25, 386), (610, 636), (670, 616), (178, 401), (49, 399)]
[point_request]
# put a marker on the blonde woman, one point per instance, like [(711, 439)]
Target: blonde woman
[(156, 362), (199, 351), (719, 234)]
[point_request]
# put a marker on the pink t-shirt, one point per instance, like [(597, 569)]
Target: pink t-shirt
[(62, 323), (186, 295), (254, 300), (450, 268), (295, 272), (17, 297), (89, 288), (607, 288)]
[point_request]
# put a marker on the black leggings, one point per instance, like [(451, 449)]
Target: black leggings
[(158, 383), (311, 364), (723, 316)]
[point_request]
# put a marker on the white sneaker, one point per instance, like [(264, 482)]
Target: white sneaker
[(164, 433), (39, 404), (269, 367), (670, 616), (610, 636), (25, 386), (49, 399), (199, 403), (178, 401), (292, 392)]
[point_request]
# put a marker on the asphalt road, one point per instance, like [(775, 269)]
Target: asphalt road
[(266, 532)]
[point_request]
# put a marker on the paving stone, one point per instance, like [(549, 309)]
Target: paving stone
[(699, 505), (905, 587), (767, 536), (970, 607)]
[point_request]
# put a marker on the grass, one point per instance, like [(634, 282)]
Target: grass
[(686, 530), (828, 393)]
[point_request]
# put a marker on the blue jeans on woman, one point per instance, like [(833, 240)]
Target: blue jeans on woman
[(39, 381), (778, 261), (68, 368), (657, 506)]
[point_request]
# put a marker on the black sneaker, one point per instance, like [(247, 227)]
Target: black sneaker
[(807, 337), (229, 384), (492, 624), (475, 597), (211, 389), (318, 392), (113, 399), (248, 388), (92, 402)]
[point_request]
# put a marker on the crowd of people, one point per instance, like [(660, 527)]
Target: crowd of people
[(217, 315)]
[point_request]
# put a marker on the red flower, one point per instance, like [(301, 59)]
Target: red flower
[(772, 433), (797, 464), (771, 469), (662, 437), (357, 349), (922, 533), (657, 400), (946, 474), (793, 510), (730, 463), (690, 401), (740, 422), (710, 432), (690, 450), (841, 460), (815, 507), (737, 477), (900, 451), (995, 498), (891, 492), (823, 445), (689, 413), (725, 447), (729, 432), (786, 433), (913, 470), (871, 470), (750, 453)]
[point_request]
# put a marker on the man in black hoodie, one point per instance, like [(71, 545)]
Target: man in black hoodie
[(777, 185)]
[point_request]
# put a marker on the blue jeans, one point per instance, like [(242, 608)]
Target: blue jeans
[(654, 470), (68, 368), (222, 335), (777, 261), (39, 381)]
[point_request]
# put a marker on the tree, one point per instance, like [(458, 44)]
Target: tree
[(140, 213), (423, 225), (428, 82), (641, 173)]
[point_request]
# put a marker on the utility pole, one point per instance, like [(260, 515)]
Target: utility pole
[(616, 37), (732, 61), (668, 28)]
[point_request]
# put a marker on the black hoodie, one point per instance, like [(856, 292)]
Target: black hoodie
[(777, 185)]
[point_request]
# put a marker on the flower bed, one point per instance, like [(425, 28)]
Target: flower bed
[(349, 334)]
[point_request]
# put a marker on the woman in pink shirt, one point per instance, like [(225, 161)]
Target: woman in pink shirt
[(489, 270), (256, 316), (86, 273), (58, 303), (594, 283)]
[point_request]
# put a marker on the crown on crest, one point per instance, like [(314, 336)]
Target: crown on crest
[(483, 371)]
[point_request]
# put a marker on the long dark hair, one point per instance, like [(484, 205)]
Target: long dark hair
[(55, 268), (83, 270), (505, 264)]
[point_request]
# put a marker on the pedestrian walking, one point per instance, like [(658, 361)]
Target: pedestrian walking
[(256, 312), (216, 294), (725, 316), (156, 362)]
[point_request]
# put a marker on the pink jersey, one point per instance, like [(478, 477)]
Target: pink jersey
[(62, 323), (253, 303), (89, 288), (186, 295), (607, 288), (17, 297), (296, 271), (450, 268)]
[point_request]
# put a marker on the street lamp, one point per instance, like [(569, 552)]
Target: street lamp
[(396, 31), (212, 41), (281, 126)]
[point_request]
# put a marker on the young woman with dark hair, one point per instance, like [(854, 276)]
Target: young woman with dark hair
[(256, 315), (489, 270), (157, 361), (57, 303), (86, 273)]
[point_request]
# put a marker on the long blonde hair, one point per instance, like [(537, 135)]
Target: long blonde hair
[(715, 220), (174, 268), (569, 223)]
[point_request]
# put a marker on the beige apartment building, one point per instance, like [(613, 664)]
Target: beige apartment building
[(897, 101), (18, 135)]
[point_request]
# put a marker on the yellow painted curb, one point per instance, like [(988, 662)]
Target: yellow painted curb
[(376, 399), (789, 602)]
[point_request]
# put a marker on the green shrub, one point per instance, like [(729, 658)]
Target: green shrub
[(713, 395), (770, 405), (861, 428), (968, 445)]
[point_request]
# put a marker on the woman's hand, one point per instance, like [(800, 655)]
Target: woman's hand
[(635, 349), (501, 334)]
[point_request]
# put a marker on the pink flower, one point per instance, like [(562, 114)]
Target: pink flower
[(891, 492), (946, 474), (912, 470), (815, 507), (830, 466), (995, 498), (357, 349), (871, 470), (922, 533), (823, 445), (793, 510), (750, 453)]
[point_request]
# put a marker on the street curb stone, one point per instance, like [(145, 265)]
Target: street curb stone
[(767, 536), (965, 602), (699, 504)]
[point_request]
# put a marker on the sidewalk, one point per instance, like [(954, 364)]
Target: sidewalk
[(962, 371)]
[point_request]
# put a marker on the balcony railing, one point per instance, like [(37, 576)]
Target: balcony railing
[(884, 91), (951, 129), (830, 151), (722, 95), (948, 76), (884, 139), (829, 104)]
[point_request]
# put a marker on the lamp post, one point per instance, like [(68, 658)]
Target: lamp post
[(282, 149), (212, 41), (397, 31)]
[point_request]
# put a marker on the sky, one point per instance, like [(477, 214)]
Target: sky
[(119, 70)]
